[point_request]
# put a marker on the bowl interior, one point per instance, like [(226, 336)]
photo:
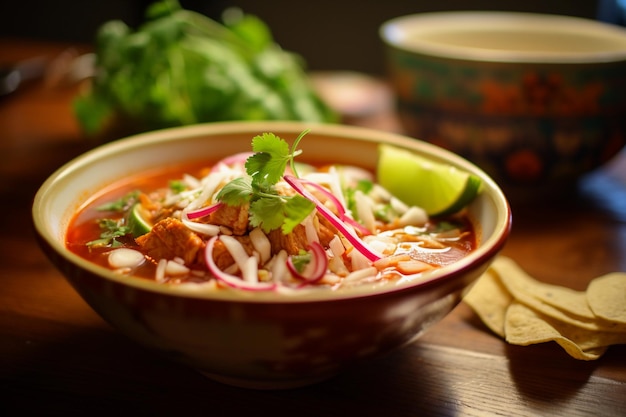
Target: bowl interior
[(73, 184), (507, 37)]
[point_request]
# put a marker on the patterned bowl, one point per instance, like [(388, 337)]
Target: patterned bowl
[(262, 339), (535, 100)]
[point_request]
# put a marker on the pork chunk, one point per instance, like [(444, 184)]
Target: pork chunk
[(296, 240), (233, 217), (169, 238), (223, 258), (291, 242), (325, 230)]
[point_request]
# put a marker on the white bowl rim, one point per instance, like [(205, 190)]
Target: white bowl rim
[(394, 31), (480, 255)]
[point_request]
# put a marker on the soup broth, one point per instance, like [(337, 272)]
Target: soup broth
[(186, 237)]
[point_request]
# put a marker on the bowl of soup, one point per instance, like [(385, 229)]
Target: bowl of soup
[(189, 242), (536, 100)]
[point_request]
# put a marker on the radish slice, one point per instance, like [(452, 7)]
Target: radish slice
[(204, 211), (236, 159), (362, 229), (348, 232), (340, 207), (316, 269), (228, 279)]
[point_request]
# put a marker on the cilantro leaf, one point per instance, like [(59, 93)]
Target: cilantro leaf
[(255, 165), (297, 208), (121, 204), (271, 156), (237, 192), (177, 186), (366, 187), (268, 209), (111, 230), (267, 213), (301, 260)]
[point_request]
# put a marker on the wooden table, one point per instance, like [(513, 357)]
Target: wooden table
[(58, 357)]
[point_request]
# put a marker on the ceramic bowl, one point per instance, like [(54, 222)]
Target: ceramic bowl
[(259, 340), (535, 100)]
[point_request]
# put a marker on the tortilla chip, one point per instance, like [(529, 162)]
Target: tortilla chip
[(489, 299), (606, 296), (571, 301), (525, 311), (524, 326), (520, 285)]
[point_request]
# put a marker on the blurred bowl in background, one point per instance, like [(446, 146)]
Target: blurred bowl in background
[(535, 100)]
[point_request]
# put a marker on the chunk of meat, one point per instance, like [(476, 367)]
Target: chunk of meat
[(233, 217), (325, 230), (169, 238), (222, 257), (291, 242), (296, 240)]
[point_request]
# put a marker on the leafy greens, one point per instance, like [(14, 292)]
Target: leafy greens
[(181, 67)]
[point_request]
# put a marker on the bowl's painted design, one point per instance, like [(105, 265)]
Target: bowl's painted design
[(523, 124), (258, 339), (529, 121)]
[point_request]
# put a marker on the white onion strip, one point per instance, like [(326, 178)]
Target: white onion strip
[(336, 246), (361, 274), (231, 280), (279, 266), (348, 232), (261, 244), (125, 258), (364, 210), (310, 230), (250, 270), (209, 186), (202, 228), (160, 270), (237, 251)]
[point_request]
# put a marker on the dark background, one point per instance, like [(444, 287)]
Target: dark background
[(329, 34)]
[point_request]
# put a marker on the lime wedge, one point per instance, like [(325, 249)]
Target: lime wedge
[(137, 222), (438, 188)]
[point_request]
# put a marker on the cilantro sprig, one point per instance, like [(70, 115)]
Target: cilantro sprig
[(111, 230), (268, 209), (122, 204)]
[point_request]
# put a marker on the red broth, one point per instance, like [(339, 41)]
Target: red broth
[(85, 228)]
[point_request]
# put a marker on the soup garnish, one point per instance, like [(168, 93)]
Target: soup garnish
[(262, 221)]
